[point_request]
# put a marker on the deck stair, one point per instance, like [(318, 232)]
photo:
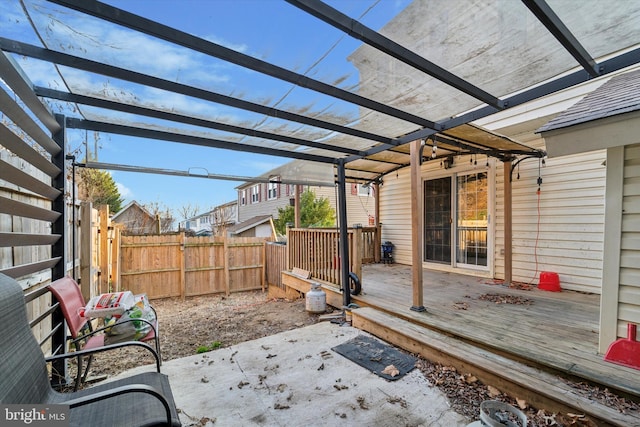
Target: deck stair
[(540, 388)]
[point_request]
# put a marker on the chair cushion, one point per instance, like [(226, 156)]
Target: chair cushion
[(130, 409), (68, 294)]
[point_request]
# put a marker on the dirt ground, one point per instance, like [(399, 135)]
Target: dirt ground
[(209, 322)]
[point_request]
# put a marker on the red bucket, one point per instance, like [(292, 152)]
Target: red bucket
[(549, 281)]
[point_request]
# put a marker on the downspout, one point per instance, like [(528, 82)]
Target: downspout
[(344, 238), (74, 234), (508, 222)]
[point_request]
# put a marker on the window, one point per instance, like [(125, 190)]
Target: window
[(365, 190), (272, 189), (243, 197), (255, 193)]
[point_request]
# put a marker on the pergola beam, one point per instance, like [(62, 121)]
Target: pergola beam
[(73, 123), (170, 86), (217, 177), (554, 24), (164, 32), (181, 118), (581, 76)]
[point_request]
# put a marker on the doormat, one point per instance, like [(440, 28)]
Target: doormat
[(377, 357)]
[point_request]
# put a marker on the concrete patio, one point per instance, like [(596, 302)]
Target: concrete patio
[(294, 378)]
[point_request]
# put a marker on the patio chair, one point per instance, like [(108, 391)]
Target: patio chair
[(139, 400), (82, 334)]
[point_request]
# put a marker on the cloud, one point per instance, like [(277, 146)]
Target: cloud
[(124, 191), (111, 44)]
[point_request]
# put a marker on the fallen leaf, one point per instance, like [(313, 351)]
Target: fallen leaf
[(575, 415), (470, 379), (391, 370), (522, 403), (493, 392)]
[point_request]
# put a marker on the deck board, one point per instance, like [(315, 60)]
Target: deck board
[(558, 330)]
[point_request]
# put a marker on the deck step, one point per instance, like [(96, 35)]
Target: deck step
[(539, 388)]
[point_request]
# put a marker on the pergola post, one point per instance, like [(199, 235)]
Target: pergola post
[(296, 206), (508, 222), (416, 226), (344, 238)]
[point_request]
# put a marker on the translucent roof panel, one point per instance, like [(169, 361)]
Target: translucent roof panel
[(340, 80)]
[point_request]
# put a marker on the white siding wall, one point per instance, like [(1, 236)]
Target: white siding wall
[(629, 292), (570, 238)]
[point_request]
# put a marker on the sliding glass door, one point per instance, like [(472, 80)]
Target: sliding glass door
[(437, 220), (472, 219), (456, 220)]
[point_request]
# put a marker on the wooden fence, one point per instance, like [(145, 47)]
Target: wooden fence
[(275, 263), (173, 265)]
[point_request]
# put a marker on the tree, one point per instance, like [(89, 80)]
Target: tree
[(313, 213), (98, 187), (163, 214)]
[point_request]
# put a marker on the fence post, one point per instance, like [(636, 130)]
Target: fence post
[(264, 264), (87, 250), (182, 253), (115, 257), (358, 246), (377, 244), (227, 274), (103, 242)]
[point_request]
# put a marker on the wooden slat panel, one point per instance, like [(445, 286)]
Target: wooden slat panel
[(16, 145), (14, 175), (15, 207), (25, 239), (34, 267), (11, 74), (21, 119)]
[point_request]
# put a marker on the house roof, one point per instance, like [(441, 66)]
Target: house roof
[(132, 204), (619, 95), (357, 103), (249, 223), (207, 213)]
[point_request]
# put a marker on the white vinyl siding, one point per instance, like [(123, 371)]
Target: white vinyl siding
[(395, 213), (629, 291), (571, 220)]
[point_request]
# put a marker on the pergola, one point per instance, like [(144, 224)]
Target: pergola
[(408, 105)]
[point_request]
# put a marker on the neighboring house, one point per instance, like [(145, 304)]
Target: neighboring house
[(259, 226), (213, 222), (258, 199), (137, 220), (608, 119)]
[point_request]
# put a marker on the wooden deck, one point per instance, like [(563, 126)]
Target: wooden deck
[(558, 330), (525, 348)]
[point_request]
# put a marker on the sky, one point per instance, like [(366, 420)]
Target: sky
[(271, 30)]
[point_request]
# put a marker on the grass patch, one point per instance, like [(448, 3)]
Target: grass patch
[(205, 348)]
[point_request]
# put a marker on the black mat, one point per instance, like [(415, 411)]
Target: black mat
[(375, 356)]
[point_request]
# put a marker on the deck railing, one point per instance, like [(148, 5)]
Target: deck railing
[(317, 251)]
